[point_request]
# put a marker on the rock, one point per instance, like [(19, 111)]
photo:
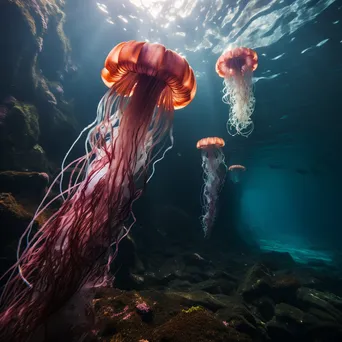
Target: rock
[(288, 323), (179, 285), (138, 280), (201, 298), (292, 323), (277, 260), (14, 220), (154, 280), (176, 269), (199, 326), (37, 119), (236, 309), (323, 316), (19, 136), (306, 277), (265, 306), (257, 283), (293, 316), (284, 288), (218, 274), (55, 124), (323, 332), (145, 311), (37, 29), (194, 259), (174, 265), (107, 328), (118, 315), (317, 263), (193, 274), (27, 184), (325, 302), (125, 263), (215, 286), (279, 332), (22, 125), (240, 317)]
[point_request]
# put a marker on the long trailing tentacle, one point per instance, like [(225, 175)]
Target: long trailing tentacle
[(163, 155), (213, 181)]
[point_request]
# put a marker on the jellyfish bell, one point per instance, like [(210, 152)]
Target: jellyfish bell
[(147, 83), (214, 170), (210, 143), (235, 172), (236, 66)]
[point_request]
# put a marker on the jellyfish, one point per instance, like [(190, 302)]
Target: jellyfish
[(235, 172), (236, 66), (214, 170), (147, 82)]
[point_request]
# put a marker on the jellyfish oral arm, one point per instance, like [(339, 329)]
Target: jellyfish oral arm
[(238, 93)]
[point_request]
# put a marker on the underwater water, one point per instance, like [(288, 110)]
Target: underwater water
[(234, 233)]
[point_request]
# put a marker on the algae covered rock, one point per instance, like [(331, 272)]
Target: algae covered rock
[(11, 212), (197, 325), (14, 220), (19, 136), (21, 125), (33, 39), (35, 52), (257, 282)]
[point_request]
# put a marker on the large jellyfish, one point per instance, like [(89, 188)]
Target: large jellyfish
[(147, 82), (235, 172), (236, 66), (214, 170)]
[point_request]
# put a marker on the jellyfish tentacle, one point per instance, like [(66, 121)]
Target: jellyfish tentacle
[(69, 151), (212, 160), (163, 155)]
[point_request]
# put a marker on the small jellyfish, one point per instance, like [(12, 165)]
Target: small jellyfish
[(214, 170), (236, 66), (235, 172)]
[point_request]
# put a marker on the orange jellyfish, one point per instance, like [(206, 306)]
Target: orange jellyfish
[(147, 83), (236, 66), (214, 170), (235, 172)]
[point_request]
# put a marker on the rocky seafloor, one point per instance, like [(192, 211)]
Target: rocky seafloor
[(227, 297), (165, 291)]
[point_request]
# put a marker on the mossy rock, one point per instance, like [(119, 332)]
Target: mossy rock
[(22, 125), (199, 326), (14, 220), (22, 160), (9, 208), (32, 38)]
